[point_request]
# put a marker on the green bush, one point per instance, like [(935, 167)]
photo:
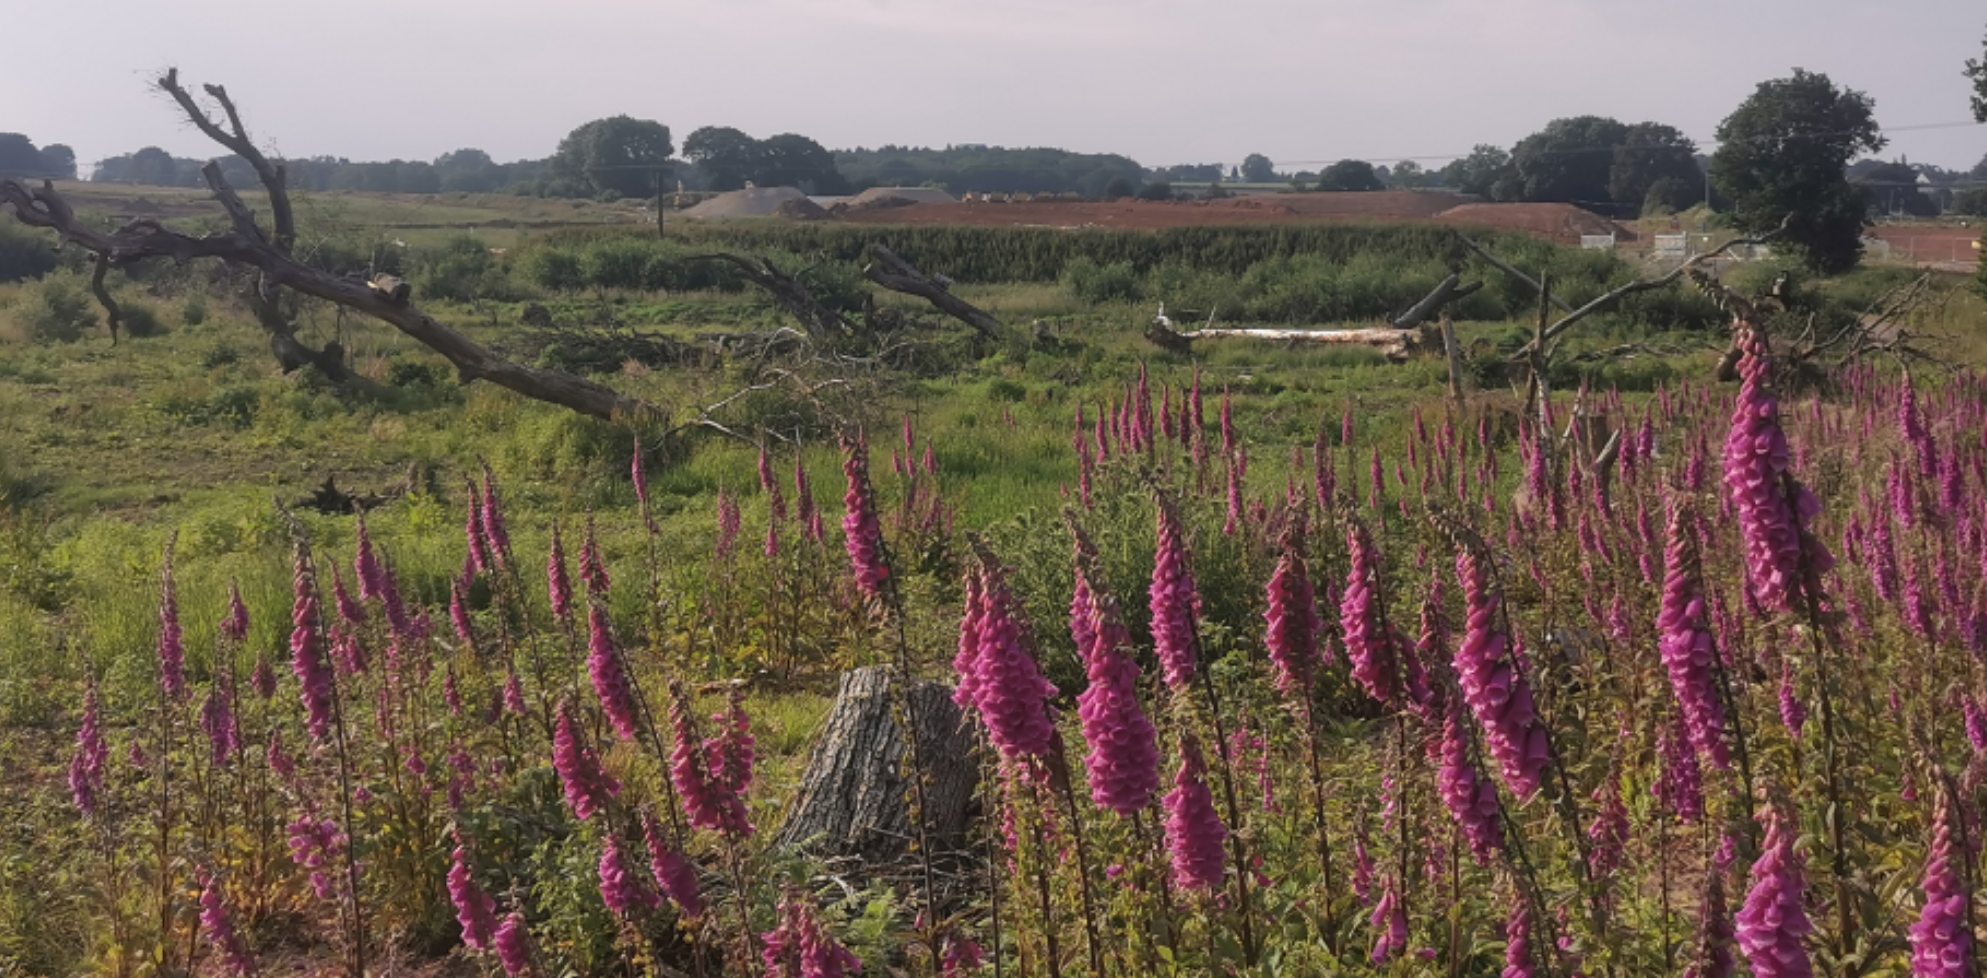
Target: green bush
[(193, 310), (57, 310), (554, 270), (140, 320), (1091, 282), (24, 254), (462, 269), (622, 264)]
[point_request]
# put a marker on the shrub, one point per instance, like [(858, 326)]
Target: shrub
[(24, 254), (193, 311), (461, 269), (140, 320), (622, 264), (1091, 282), (57, 310), (554, 269)]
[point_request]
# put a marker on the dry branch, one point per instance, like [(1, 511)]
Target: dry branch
[(1612, 296), (797, 299), (898, 275), (1445, 292), (244, 245), (1506, 267)]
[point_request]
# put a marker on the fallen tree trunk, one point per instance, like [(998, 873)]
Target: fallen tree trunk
[(853, 801), (898, 275), (1395, 344)]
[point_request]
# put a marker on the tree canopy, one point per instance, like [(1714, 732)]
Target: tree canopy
[(1976, 71), (1783, 150), (619, 153), (727, 156), (1652, 154), (1569, 161), (1483, 173), (20, 159), (1893, 187), (1256, 168), (989, 169), (1350, 175)]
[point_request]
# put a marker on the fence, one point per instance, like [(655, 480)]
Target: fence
[(1672, 245), (1597, 242)]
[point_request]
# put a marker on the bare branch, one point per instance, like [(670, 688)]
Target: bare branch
[(797, 299), (242, 246), (110, 309), (235, 140), (1505, 267), (1644, 285)]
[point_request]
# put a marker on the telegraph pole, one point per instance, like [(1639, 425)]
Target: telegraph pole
[(658, 203)]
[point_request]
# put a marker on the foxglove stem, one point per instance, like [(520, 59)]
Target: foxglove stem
[(1175, 603), (1292, 615), (1012, 694), (862, 530), (1195, 834), (1492, 684), (1686, 643), (1942, 939), (1773, 923), (1124, 750)]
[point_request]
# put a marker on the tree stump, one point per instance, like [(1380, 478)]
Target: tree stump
[(854, 800)]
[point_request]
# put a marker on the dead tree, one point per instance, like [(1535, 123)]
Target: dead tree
[(852, 801), (1548, 333), (246, 245), (897, 275), (820, 322)]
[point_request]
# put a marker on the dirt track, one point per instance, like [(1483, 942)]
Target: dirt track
[(1559, 222)]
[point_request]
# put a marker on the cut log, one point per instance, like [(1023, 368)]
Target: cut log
[(854, 800), (898, 275)]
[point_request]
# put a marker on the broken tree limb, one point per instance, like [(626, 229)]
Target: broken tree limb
[(891, 272), (243, 245), (1612, 296), (1505, 267), (796, 298), (1444, 293)]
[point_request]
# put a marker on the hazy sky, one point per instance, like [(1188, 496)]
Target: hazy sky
[(1160, 80)]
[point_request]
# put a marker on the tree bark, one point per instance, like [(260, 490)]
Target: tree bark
[(898, 275), (853, 801)]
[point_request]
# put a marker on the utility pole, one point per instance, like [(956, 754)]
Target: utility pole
[(658, 203)]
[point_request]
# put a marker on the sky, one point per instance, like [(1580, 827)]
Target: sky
[(1161, 81)]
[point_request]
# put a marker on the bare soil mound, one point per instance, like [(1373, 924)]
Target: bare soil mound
[(1563, 223), (750, 202), (801, 210), (879, 196)]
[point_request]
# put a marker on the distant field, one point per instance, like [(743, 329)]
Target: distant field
[(414, 218)]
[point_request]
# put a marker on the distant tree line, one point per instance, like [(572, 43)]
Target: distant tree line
[(990, 169), (20, 159)]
